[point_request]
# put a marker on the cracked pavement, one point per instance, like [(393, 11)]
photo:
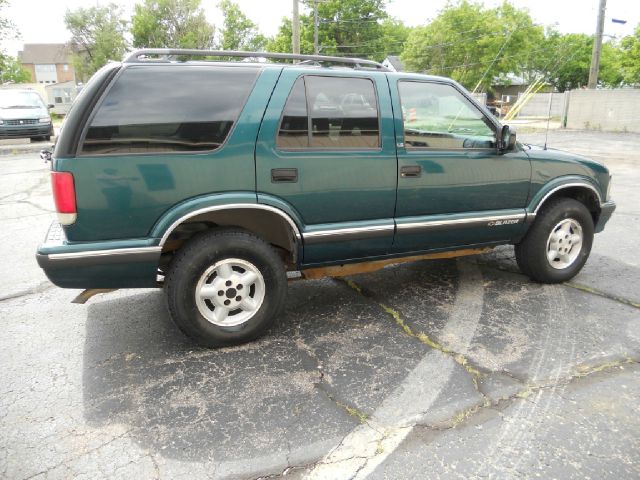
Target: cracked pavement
[(437, 369)]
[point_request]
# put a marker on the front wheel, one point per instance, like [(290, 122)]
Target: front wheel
[(559, 242), (225, 287)]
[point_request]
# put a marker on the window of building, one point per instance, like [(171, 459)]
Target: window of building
[(65, 67), (169, 109), (437, 115), (332, 113)]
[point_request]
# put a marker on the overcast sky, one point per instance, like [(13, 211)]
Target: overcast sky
[(41, 21)]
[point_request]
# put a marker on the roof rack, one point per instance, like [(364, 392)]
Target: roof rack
[(141, 56)]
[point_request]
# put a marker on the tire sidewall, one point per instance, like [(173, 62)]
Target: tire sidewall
[(546, 223), (204, 252)]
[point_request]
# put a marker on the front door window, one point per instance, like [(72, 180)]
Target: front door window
[(438, 116)]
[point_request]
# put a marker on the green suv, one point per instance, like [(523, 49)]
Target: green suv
[(222, 179)]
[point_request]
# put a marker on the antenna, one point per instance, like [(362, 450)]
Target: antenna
[(546, 133)]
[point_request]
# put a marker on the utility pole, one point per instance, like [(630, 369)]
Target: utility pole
[(316, 49), (597, 47), (295, 27)]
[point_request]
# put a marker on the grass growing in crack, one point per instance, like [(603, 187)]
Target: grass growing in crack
[(584, 370), (354, 412), (422, 337), (599, 293)]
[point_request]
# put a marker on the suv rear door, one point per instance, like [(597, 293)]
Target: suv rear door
[(326, 149), (454, 188)]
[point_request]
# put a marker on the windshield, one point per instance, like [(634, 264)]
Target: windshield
[(20, 99)]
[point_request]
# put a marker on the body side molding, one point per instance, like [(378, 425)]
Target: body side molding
[(572, 184), (231, 206)]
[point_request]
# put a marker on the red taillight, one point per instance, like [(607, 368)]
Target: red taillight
[(64, 196)]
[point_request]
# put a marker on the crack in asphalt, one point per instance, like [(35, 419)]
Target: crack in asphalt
[(86, 452), (460, 359), (581, 372), (570, 284), (41, 287), (326, 388), (600, 293)]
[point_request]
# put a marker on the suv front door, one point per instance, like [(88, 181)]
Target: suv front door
[(326, 149), (454, 188)]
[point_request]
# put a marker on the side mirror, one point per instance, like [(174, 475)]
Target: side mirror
[(46, 155), (507, 141)]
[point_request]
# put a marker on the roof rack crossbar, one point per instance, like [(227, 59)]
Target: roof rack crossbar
[(138, 56)]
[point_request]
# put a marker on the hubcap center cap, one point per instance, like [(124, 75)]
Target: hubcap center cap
[(231, 292)]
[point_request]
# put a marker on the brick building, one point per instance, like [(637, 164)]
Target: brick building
[(48, 62)]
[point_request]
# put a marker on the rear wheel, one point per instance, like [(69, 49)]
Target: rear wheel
[(225, 287), (559, 242)]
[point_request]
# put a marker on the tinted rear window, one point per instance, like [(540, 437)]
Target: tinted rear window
[(330, 113), (164, 109)]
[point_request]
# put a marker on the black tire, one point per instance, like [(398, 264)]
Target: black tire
[(46, 138), (531, 252), (202, 253)]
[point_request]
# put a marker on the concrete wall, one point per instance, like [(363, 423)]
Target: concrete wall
[(608, 110), (538, 105)]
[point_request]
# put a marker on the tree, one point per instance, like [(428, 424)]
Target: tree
[(171, 24), (281, 41), (356, 28), (473, 44), (630, 57), (11, 71), (97, 36), (238, 31), (6, 25)]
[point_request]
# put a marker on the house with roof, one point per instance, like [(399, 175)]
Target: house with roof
[(393, 63), (47, 62)]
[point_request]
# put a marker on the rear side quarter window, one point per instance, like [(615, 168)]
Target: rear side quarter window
[(165, 109)]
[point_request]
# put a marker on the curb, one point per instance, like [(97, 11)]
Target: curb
[(26, 148)]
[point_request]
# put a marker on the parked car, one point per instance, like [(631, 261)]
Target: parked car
[(215, 179), (23, 114)]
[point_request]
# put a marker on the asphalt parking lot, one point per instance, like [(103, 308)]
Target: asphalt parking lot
[(438, 369)]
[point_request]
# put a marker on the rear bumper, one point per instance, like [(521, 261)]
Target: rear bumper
[(97, 265), (606, 210)]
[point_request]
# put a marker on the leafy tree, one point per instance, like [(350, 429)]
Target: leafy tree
[(10, 68), (97, 36), (568, 67), (6, 25), (12, 71), (394, 36), (171, 24), (630, 57), (473, 44), (611, 73), (281, 41), (238, 31), (357, 28)]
